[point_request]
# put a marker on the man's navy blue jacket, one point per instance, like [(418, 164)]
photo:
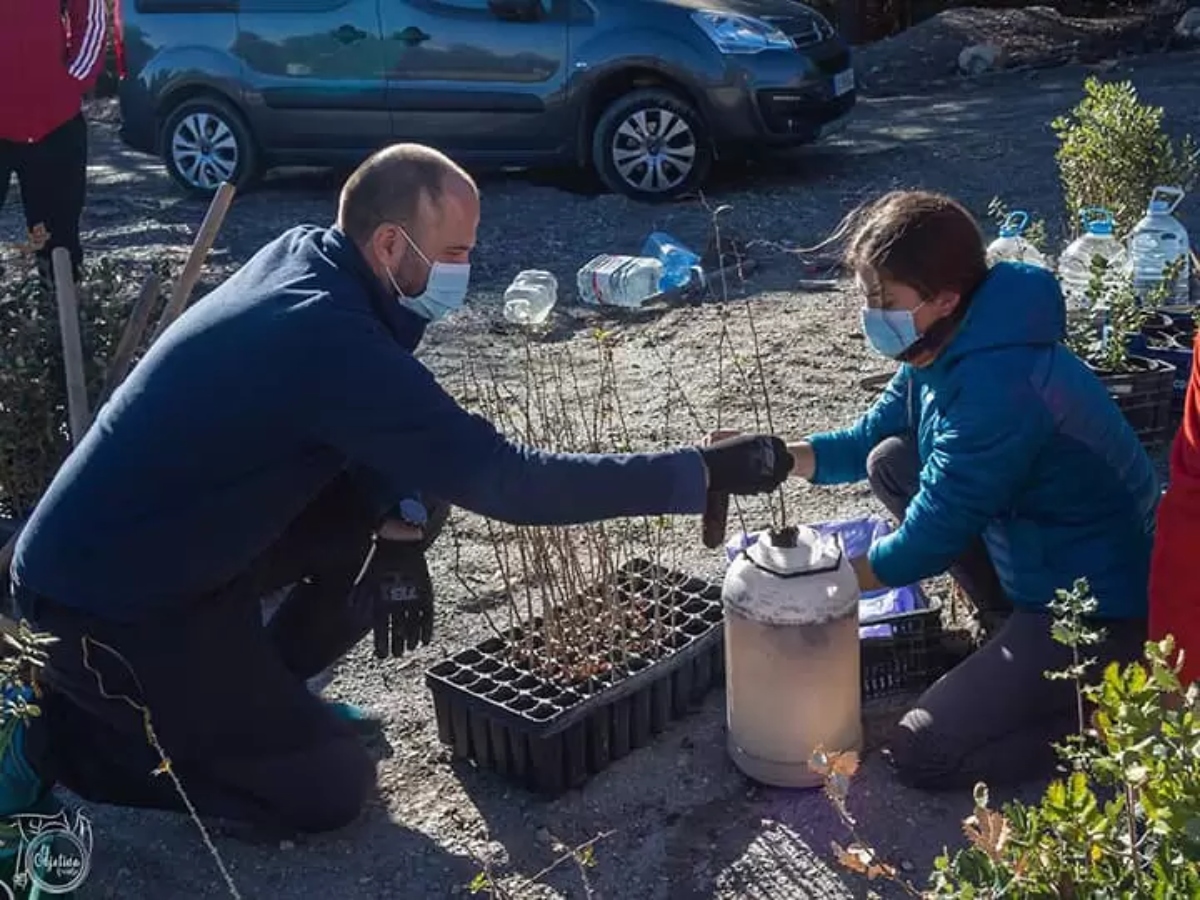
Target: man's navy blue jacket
[(296, 369)]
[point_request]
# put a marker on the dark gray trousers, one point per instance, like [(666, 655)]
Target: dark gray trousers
[(994, 716), (227, 695)]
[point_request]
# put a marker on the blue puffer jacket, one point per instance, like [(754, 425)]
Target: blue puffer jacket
[(1020, 442)]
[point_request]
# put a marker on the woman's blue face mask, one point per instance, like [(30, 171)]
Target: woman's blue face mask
[(890, 332)]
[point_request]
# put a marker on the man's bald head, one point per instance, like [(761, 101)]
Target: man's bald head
[(407, 208), (404, 184)]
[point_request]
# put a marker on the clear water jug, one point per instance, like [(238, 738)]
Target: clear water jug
[(627, 281), (681, 267), (1096, 246), (1010, 246), (1156, 242), (530, 297), (792, 655)]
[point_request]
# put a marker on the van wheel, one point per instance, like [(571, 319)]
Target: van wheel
[(204, 142), (651, 145)]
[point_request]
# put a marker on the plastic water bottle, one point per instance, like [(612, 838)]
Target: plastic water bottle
[(627, 281), (1075, 266), (680, 265), (1156, 242), (530, 297), (1010, 246)]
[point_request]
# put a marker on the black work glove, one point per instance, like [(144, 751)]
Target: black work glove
[(746, 464), (397, 586)]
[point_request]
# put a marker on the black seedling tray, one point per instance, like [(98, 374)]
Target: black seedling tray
[(552, 738)]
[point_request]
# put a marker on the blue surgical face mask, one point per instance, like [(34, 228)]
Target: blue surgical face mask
[(445, 292), (889, 331)]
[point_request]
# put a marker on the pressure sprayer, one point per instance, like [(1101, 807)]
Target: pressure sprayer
[(792, 655)]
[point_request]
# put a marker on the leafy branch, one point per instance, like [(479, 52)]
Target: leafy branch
[(583, 855), (1137, 749)]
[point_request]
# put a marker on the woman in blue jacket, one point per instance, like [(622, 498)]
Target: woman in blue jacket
[(1007, 464)]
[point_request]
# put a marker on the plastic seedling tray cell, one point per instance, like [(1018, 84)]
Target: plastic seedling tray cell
[(553, 734)]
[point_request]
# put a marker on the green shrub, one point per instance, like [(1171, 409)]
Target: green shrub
[(1126, 821), (1123, 823), (34, 434), (1113, 152)]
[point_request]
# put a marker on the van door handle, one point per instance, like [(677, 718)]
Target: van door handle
[(348, 34), (412, 35)]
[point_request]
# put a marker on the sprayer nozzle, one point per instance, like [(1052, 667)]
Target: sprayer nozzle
[(788, 536)]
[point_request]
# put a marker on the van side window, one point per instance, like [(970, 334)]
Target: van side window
[(476, 5), (291, 6), (552, 9), (186, 6)]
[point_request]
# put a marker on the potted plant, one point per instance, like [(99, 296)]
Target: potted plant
[(1104, 336), (1113, 151), (1167, 335)]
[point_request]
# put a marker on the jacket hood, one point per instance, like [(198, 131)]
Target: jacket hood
[(1017, 305)]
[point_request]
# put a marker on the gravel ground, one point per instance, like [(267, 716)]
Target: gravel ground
[(685, 824), (1029, 38)]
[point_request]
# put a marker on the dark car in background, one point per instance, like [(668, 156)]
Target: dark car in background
[(646, 92)]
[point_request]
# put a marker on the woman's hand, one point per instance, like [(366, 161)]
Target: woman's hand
[(803, 459), (719, 435)]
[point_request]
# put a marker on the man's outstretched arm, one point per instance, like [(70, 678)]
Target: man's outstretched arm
[(394, 417)]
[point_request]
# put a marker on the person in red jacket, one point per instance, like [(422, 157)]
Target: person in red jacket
[(51, 52), (1174, 587)]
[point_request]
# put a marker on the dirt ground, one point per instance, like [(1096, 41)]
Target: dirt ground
[(1030, 38), (685, 823)]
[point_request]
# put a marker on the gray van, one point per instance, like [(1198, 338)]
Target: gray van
[(646, 92)]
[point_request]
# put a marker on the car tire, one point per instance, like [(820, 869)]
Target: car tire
[(210, 124), (630, 162)]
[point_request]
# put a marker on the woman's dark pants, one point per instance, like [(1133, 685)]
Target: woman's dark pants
[(994, 716)]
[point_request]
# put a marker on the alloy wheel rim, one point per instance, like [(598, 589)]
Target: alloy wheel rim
[(204, 150), (654, 150)]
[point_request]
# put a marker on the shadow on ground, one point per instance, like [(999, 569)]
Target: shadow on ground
[(376, 857)]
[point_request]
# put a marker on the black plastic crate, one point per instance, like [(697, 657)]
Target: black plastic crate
[(906, 661), (552, 738), (1144, 396)]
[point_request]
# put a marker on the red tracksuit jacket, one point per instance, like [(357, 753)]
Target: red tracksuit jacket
[(51, 52), (1174, 577)]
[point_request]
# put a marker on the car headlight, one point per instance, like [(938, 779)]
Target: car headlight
[(734, 33)]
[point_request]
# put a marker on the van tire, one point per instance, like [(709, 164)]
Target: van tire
[(191, 123), (624, 146)]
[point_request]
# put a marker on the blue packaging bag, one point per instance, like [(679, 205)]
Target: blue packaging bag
[(857, 536), (680, 265)]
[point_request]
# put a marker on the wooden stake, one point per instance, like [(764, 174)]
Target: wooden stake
[(131, 337), (186, 283), (181, 291), (72, 346)]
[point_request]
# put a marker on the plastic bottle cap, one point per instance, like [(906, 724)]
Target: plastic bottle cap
[(1097, 220), (1014, 223)]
